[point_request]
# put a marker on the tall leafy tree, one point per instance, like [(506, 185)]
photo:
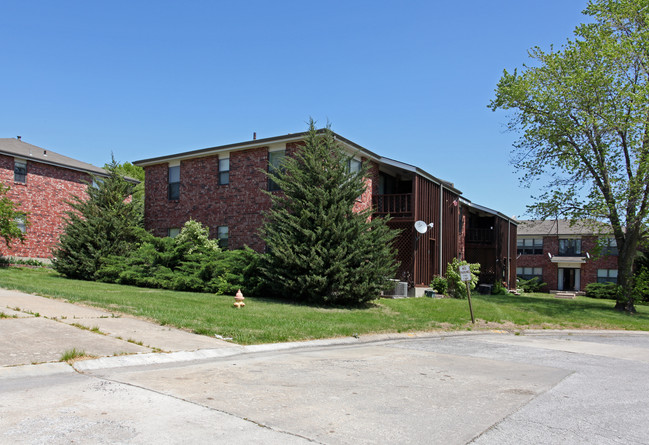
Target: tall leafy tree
[(583, 112), (319, 250), (9, 215), (105, 222)]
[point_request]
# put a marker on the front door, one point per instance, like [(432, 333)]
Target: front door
[(569, 279)]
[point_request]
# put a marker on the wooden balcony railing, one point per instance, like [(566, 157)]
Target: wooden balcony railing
[(397, 206), (480, 236)]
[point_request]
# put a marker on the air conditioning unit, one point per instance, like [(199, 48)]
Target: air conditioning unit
[(400, 290)]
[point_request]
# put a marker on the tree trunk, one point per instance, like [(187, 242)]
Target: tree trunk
[(626, 299)]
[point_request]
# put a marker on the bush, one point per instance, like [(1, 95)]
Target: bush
[(457, 287), (602, 290), (189, 262), (531, 285), (440, 284), (499, 289)]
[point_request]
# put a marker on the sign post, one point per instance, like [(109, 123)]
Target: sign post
[(465, 275)]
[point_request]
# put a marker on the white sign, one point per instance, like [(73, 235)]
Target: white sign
[(465, 273)]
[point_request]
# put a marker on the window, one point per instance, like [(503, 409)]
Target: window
[(224, 171), (275, 159), (20, 222), (607, 276), (173, 232), (353, 165), (609, 246), (527, 273), (529, 246), (569, 247), (174, 182), (20, 171), (96, 182), (222, 234)]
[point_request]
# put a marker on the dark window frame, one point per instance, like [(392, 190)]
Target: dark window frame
[(529, 276), (273, 166), (534, 248), (20, 171), (224, 174), (569, 246), (173, 188), (607, 278), (224, 241)]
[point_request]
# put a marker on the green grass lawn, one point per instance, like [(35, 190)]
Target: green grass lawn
[(269, 321)]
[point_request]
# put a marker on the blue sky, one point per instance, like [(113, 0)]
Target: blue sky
[(410, 80)]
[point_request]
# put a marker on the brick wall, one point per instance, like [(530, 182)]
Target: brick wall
[(551, 270), (240, 205), (43, 196)]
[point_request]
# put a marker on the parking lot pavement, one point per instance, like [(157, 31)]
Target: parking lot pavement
[(36, 329), (487, 388)]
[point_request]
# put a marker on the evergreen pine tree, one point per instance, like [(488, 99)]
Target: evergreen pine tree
[(320, 250), (105, 222)]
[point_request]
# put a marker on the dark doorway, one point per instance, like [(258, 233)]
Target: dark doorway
[(568, 279)]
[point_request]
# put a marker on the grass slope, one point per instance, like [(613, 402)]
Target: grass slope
[(269, 321)]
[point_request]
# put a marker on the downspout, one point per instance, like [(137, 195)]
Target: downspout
[(441, 227), (509, 238)]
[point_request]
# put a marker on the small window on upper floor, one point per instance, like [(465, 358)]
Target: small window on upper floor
[(173, 232), (174, 182), (529, 246), (20, 171), (354, 166), (609, 246), (275, 159), (224, 171), (569, 247)]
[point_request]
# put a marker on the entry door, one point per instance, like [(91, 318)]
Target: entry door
[(569, 279)]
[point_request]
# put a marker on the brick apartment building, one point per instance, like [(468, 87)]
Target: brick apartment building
[(41, 181), (566, 257), (222, 187)]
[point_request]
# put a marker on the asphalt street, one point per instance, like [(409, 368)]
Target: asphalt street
[(495, 387)]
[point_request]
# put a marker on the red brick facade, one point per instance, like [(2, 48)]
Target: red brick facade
[(239, 205), (588, 269), (43, 196), (403, 191)]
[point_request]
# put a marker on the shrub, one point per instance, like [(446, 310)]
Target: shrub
[(602, 290), (440, 284), (191, 262), (457, 287), (499, 289), (531, 285)]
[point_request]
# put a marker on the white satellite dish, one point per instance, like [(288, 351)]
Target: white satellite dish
[(421, 227)]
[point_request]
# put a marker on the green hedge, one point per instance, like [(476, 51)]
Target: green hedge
[(602, 290)]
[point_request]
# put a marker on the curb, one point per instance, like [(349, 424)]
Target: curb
[(158, 358)]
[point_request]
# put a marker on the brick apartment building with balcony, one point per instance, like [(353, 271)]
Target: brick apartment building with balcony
[(222, 187), (41, 182), (566, 257)]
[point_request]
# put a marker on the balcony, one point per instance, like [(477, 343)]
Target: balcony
[(480, 236), (397, 206)]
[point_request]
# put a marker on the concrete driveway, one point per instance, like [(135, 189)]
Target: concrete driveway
[(540, 387)]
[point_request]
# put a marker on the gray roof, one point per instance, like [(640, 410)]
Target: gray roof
[(18, 148), (562, 227), (294, 137)]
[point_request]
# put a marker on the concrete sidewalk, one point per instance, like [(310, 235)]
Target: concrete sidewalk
[(36, 329)]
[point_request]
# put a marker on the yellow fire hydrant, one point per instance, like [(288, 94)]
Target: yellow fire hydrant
[(238, 299)]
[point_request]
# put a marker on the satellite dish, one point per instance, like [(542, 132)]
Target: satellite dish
[(421, 227)]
